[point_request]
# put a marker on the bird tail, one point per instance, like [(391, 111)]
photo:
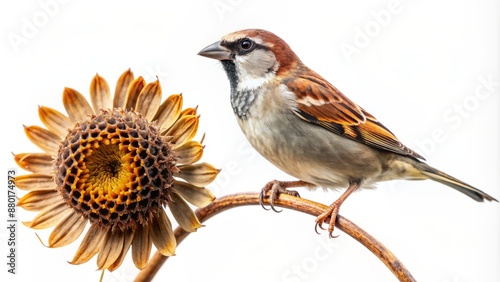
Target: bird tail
[(452, 182)]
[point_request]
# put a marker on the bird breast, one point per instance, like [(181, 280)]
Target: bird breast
[(303, 150)]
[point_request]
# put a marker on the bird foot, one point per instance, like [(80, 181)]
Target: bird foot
[(333, 210), (331, 213), (276, 188)]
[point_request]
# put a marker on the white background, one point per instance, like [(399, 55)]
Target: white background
[(417, 71)]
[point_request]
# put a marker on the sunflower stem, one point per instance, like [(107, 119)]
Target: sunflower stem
[(289, 202)]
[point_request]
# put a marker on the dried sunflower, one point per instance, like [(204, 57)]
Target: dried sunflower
[(116, 165)]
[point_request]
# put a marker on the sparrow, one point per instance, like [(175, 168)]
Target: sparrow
[(307, 128)]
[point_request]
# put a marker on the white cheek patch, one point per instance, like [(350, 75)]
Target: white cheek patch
[(247, 80), (255, 69)]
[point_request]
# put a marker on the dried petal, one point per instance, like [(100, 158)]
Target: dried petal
[(76, 105), (120, 99), (35, 162), (49, 216), (99, 94), (90, 245), (54, 120), (190, 152), (198, 196), (162, 234), (169, 111), (149, 100), (188, 112), (39, 199), (127, 241), (141, 247), (183, 214), (67, 231), (35, 181), (199, 175), (110, 249), (133, 92), (44, 139), (183, 130)]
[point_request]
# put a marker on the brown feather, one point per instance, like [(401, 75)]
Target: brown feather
[(321, 103)]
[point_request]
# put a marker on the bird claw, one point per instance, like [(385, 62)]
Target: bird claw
[(261, 198), (331, 213), (333, 236), (320, 225), (276, 188)]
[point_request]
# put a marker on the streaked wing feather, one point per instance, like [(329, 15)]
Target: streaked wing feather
[(321, 103), (377, 135), (319, 98)]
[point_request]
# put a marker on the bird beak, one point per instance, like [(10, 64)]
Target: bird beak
[(216, 51)]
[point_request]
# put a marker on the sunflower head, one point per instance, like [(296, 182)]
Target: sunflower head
[(115, 165), (115, 169)]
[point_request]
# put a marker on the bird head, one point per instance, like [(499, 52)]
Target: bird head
[(251, 57)]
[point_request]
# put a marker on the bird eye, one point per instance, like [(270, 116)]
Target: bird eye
[(246, 44)]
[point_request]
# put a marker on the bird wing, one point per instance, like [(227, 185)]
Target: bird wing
[(321, 103)]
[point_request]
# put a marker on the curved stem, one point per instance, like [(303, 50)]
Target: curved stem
[(290, 202)]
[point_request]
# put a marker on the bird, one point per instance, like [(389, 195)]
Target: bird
[(306, 127)]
